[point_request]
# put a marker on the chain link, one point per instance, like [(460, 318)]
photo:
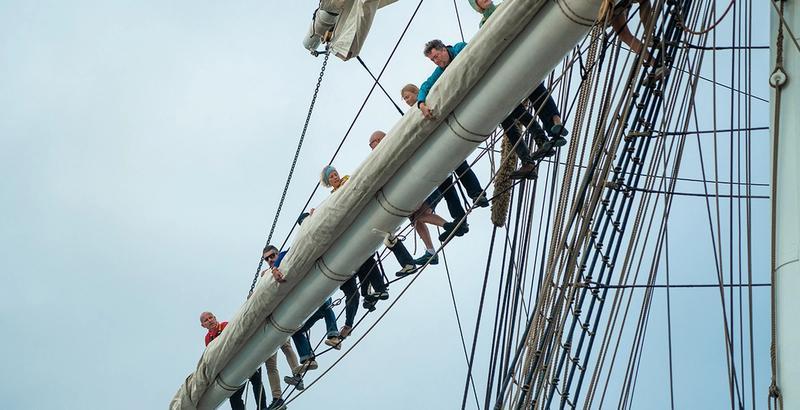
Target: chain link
[(294, 163)]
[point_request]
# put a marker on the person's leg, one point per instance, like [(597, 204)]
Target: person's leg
[(513, 133), (431, 218), (273, 376), (302, 345), (258, 390), (469, 180), (376, 279), (419, 218), (545, 106), (236, 399), (291, 357), (330, 319), (401, 253), (351, 301), (424, 234), (451, 198)]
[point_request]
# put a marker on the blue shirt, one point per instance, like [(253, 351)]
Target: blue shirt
[(279, 258), (453, 50)]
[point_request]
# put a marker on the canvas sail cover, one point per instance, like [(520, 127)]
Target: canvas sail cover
[(338, 212)]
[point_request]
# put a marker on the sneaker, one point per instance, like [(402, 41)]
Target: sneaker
[(277, 404), (345, 331), (334, 342), (296, 381), (526, 171), (433, 258), (369, 305), (481, 201), (409, 269)]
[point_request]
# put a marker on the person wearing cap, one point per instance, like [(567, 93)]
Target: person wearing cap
[(367, 274), (215, 328)]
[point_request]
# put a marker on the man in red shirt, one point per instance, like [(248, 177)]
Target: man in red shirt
[(209, 321)]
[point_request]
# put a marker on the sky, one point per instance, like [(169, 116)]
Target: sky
[(143, 149)]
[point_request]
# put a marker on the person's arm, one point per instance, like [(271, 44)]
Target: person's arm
[(426, 86)]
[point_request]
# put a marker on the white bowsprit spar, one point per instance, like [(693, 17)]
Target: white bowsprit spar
[(502, 64)]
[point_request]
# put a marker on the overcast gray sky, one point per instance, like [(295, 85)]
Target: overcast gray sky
[(143, 147)]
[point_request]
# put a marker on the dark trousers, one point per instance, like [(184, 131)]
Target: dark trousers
[(450, 193), (258, 391), (368, 274), (545, 105), (469, 180), (547, 109), (401, 254)]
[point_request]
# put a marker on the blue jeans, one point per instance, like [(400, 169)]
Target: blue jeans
[(300, 338), (469, 180)]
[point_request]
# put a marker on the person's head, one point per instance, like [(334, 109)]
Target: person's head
[(437, 52), (409, 94), (330, 177), (376, 138), (269, 255), (480, 5), (208, 320)]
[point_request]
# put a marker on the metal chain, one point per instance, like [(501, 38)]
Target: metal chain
[(294, 163), (777, 80)]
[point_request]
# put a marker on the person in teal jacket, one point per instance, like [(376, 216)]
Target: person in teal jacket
[(542, 103), (442, 56)]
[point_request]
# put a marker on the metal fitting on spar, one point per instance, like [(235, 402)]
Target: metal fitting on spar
[(321, 25)]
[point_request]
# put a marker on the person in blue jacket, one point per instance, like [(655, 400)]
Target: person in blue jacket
[(442, 56)]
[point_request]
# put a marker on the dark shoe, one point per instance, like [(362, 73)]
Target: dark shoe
[(526, 171), (409, 269), (558, 130), (277, 404), (345, 331), (461, 230), (295, 381), (382, 295), (450, 226), (558, 141), (481, 201), (369, 305), (434, 258)]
